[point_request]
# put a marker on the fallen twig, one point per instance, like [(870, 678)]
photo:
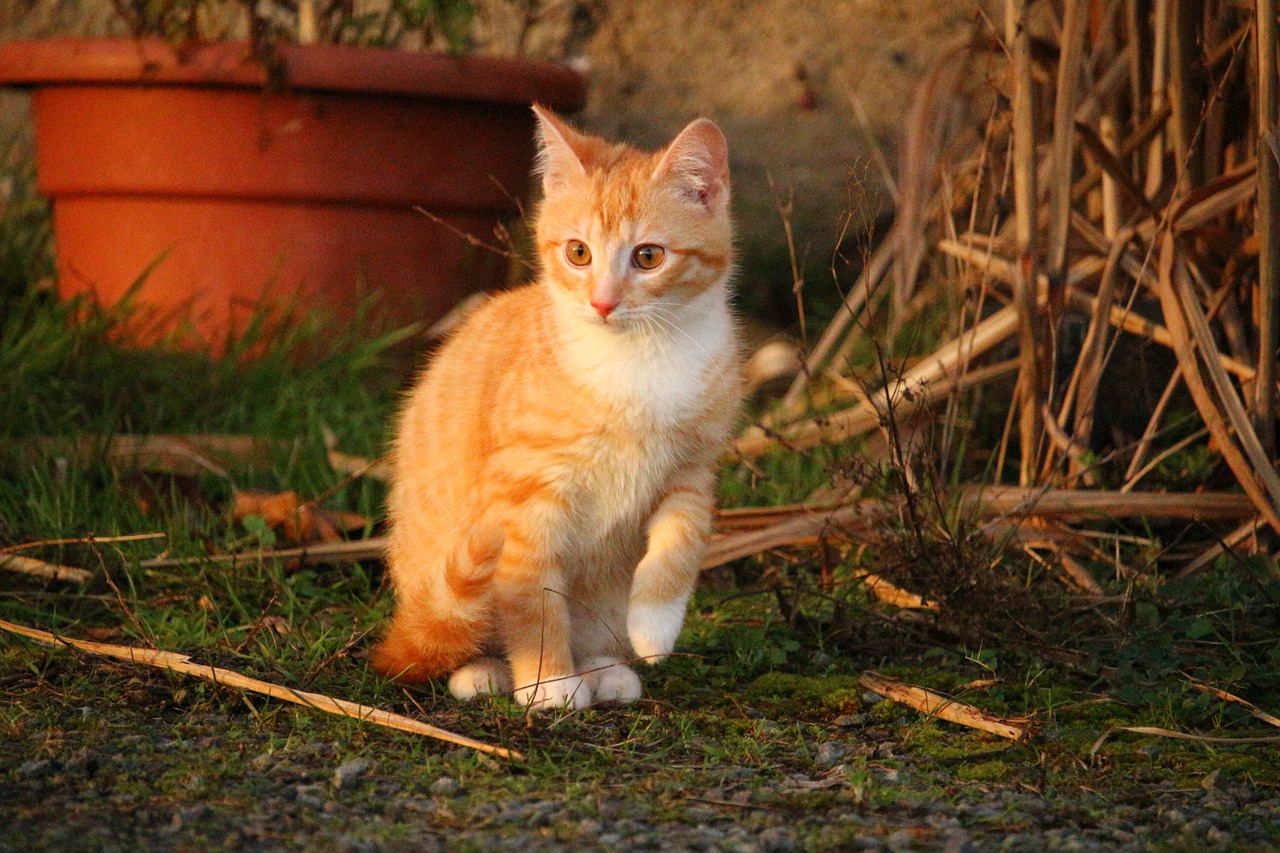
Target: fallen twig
[(182, 664), (945, 708), (1231, 697), (41, 569)]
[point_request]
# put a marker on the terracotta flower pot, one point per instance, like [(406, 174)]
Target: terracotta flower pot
[(222, 191)]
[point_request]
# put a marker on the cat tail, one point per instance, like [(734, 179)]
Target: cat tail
[(433, 634)]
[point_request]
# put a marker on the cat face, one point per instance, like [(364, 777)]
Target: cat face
[(627, 239)]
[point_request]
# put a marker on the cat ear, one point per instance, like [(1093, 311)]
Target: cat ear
[(697, 162), (561, 150)]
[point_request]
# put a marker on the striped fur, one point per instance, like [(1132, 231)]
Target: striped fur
[(554, 464)]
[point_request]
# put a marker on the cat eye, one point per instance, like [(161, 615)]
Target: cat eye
[(648, 256), (577, 253)]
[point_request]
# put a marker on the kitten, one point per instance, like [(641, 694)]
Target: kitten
[(554, 466)]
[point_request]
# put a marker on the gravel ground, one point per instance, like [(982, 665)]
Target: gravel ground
[(152, 791)]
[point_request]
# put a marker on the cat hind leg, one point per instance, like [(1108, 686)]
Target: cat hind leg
[(430, 638)]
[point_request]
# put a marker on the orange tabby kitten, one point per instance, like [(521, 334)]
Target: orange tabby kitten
[(554, 466)]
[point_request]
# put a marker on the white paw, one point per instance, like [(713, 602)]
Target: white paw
[(481, 676), (559, 694), (610, 680), (653, 629)]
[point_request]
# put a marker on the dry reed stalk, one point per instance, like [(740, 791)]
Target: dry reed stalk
[(1031, 335), (1267, 114), (182, 664), (1153, 424), (1132, 481), (372, 548), (873, 273), (1158, 93), (1094, 350), (1070, 60), (1243, 533), (1084, 269), (1247, 460), (1108, 136), (805, 526), (1186, 92), (1082, 504), (945, 708), (906, 397), (1114, 173), (41, 569), (1135, 324)]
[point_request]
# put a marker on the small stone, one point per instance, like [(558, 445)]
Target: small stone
[(1217, 837), (308, 796), (350, 844), (349, 773), (870, 698), (847, 721), (36, 768), (830, 753), (82, 761), (777, 839), (189, 815), (445, 786)]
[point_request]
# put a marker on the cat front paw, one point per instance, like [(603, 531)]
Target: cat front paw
[(611, 680), (653, 629), (560, 694)]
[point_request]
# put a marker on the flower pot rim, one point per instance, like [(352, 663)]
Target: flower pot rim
[(307, 68)]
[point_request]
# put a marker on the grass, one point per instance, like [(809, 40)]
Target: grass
[(728, 738)]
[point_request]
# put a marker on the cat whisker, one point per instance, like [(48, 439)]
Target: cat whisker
[(669, 320)]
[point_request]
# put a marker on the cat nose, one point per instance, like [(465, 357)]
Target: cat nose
[(603, 307)]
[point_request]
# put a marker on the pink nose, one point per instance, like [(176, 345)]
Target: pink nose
[(603, 308)]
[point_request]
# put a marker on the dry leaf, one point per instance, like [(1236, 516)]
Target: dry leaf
[(296, 520)]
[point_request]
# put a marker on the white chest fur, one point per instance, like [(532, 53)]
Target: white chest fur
[(657, 369)]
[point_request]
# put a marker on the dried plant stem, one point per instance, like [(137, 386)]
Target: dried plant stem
[(873, 273), (1031, 336), (931, 381), (1235, 538), (1074, 24), (1267, 225), (182, 664), (41, 569), (1214, 395), (1269, 719), (945, 708)]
